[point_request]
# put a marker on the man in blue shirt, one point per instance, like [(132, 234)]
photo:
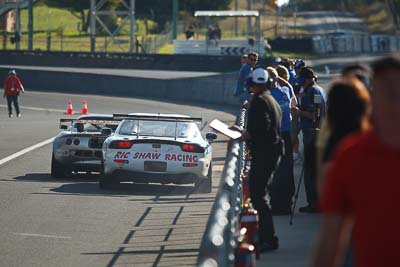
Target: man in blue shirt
[(311, 111), (242, 92), (283, 186)]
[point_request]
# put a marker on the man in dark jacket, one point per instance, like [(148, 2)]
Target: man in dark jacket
[(262, 136), (311, 112)]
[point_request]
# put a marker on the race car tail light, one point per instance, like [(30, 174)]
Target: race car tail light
[(190, 165), (68, 142), (123, 161), (77, 142), (118, 144), (192, 148)]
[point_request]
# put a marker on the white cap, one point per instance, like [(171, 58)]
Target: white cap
[(259, 76), (12, 72)]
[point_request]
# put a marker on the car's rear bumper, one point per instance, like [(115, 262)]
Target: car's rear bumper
[(81, 164), (143, 177)]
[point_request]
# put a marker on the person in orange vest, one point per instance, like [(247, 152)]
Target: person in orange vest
[(12, 87)]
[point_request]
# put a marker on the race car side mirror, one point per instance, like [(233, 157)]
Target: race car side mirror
[(106, 131), (211, 136)]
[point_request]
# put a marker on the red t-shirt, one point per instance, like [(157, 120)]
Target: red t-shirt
[(364, 181), (12, 85)]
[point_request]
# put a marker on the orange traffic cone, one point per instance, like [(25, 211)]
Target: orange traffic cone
[(70, 110), (84, 107)]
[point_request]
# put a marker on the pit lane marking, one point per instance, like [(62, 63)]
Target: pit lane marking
[(45, 236), (26, 150)]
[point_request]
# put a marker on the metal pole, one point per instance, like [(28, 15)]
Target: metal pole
[(92, 26), (258, 37), (174, 18), (277, 14), (132, 26), (30, 25), (236, 19), (295, 21), (249, 7), (17, 27)]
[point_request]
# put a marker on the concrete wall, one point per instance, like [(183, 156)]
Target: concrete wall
[(213, 89)]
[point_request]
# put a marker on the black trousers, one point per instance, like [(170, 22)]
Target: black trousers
[(264, 162), (283, 186), (310, 167), (12, 99)]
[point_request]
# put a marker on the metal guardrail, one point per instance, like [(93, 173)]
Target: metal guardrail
[(220, 237)]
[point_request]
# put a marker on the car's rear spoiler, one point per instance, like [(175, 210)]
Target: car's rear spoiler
[(157, 118), (66, 123)]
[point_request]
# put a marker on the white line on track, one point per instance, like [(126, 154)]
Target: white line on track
[(26, 150), (38, 109), (45, 236)]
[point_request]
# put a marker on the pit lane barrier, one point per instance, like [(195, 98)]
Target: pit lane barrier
[(224, 242)]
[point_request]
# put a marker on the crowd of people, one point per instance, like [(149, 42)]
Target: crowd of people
[(351, 147)]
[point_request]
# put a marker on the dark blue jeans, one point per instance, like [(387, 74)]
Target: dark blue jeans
[(283, 186), (310, 171), (12, 99)]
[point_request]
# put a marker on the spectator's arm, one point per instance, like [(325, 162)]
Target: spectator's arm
[(293, 100), (332, 237), (20, 85)]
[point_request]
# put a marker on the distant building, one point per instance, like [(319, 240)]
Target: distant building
[(7, 19)]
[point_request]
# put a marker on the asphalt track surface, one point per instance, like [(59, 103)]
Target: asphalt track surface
[(71, 222)]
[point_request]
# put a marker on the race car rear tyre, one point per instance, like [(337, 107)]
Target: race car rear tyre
[(58, 170), (205, 185)]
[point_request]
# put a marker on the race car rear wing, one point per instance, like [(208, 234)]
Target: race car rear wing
[(66, 123), (157, 118)]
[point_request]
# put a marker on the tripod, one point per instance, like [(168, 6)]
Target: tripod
[(296, 196)]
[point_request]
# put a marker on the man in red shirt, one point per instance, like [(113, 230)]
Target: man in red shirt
[(12, 88), (361, 195)]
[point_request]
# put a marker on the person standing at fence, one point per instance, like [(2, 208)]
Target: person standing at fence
[(360, 194), (283, 186), (294, 127), (12, 88), (241, 91), (190, 33), (262, 137), (311, 112)]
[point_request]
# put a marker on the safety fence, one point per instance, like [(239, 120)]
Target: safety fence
[(220, 244), (355, 43)]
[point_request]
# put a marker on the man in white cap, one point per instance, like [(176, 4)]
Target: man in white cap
[(12, 88), (262, 136)]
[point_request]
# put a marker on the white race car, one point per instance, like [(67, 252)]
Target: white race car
[(159, 148), (77, 148)]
